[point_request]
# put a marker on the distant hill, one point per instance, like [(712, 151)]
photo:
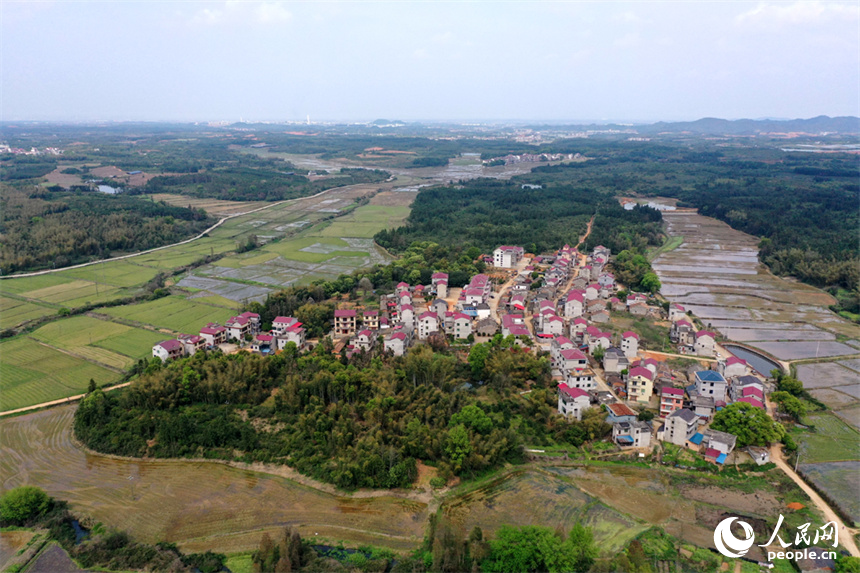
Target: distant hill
[(715, 126)]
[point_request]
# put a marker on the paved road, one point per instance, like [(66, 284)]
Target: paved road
[(185, 242)]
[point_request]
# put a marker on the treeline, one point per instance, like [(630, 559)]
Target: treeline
[(97, 547), (362, 422), (42, 229), (486, 213), (265, 183)]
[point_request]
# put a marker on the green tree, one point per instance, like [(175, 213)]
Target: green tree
[(533, 548), (478, 358), (20, 504), (650, 282), (472, 417), (751, 425), (847, 564), (789, 404), (458, 446)]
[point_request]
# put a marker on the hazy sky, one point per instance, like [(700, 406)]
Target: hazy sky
[(434, 60)]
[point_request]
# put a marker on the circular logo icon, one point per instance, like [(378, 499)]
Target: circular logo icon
[(727, 543)]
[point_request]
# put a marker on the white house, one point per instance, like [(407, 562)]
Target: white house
[(507, 257), (462, 325), (630, 344), (396, 343), (677, 312), (168, 349), (705, 343), (428, 323), (681, 425), (572, 401)]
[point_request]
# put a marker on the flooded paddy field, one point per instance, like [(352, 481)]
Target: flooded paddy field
[(840, 480), (191, 503), (716, 274)]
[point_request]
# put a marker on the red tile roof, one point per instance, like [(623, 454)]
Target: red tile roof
[(619, 409), (572, 392)]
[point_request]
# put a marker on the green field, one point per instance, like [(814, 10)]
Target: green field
[(14, 311), (31, 373), (173, 312), (832, 441), (124, 273), (100, 341), (366, 221)]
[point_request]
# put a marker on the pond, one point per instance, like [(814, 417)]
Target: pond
[(756, 361), (108, 189)]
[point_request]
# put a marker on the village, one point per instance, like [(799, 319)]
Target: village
[(566, 305)]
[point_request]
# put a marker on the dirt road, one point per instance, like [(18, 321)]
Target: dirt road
[(846, 535), (58, 402)]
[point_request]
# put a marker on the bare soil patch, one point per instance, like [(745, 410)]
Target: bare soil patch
[(759, 503)]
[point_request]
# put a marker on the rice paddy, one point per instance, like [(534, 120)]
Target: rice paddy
[(31, 373), (175, 313)]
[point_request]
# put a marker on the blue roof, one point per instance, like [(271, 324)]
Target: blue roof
[(627, 439), (691, 390), (697, 438), (710, 376), (721, 459), (470, 312)]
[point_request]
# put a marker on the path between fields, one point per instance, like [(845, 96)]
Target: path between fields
[(58, 402), (587, 232), (846, 535), (185, 242)]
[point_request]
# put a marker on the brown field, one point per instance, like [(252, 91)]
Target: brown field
[(108, 171), (217, 207), (201, 505), (63, 179)]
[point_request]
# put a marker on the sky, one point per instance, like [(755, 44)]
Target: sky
[(432, 61)]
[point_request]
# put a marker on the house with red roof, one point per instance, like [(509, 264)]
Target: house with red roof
[(574, 303), (677, 312), (428, 323), (705, 343), (507, 257), (681, 332), (238, 326), (572, 402), (168, 349), (637, 308), (671, 399), (640, 384), (263, 342), (462, 326), (191, 343), (619, 412), (370, 319), (364, 340), (396, 343), (577, 328), (599, 340), (282, 323), (630, 344), (732, 366), (344, 321), (296, 334), (592, 291), (213, 334)]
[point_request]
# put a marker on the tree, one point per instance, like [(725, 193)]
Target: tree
[(20, 504), (472, 417), (92, 386), (458, 446), (599, 353), (750, 424), (533, 548), (365, 285), (847, 564), (789, 404), (478, 358), (650, 282)]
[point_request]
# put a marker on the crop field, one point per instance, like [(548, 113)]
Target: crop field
[(841, 481), (536, 498), (199, 505), (14, 311), (833, 440), (175, 313), (366, 221), (31, 373), (123, 273)]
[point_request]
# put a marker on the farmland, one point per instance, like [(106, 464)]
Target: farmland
[(841, 481), (195, 503), (832, 441), (34, 373), (175, 313)]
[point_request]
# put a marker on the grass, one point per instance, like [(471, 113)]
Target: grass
[(124, 273), (135, 343), (669, 244), (832, 441), (240, 563), (31, 373), (175, 313), (14, 312)]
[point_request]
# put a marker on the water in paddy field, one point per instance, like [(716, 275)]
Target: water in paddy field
[(108, 189), (715, 273)]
